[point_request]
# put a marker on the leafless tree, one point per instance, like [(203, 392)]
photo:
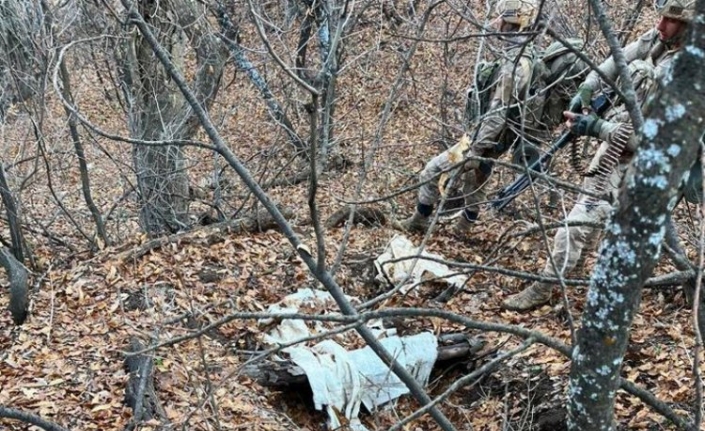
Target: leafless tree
[(157, 111)]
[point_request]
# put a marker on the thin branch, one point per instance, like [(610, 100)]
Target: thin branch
[(258, 24), (462, 382), (7, 412)]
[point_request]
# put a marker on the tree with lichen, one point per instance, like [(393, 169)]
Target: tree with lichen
[(633, 238)]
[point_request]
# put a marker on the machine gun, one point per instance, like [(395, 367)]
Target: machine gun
[(505, 196)]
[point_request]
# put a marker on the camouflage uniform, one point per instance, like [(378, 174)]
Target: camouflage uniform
[(508, 116), (646, 56), (512, 119)]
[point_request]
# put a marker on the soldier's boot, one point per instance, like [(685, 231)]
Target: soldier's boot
[(416, 223), (534, 296), (464, 223)]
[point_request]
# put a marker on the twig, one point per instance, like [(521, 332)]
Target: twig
[(463, 381), (7, 412)]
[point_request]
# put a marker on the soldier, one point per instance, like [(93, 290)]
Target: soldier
[(649, 58), (513, 119)]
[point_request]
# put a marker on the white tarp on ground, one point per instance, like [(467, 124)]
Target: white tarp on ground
[(341, 380), (402, 251)]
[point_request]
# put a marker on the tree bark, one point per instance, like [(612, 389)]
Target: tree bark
[(19, 292), (158, 111), (279, 373), (12, 216), (633, 238)]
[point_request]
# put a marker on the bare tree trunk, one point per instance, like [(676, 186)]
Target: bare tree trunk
[(12, 217), (82, 165), (158, 112), (18, 276), (633, 239)]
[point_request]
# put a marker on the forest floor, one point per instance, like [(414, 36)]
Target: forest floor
[(66, 362)]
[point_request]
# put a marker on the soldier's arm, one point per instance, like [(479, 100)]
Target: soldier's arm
[(512, 81), (619, 133), (638, 49)]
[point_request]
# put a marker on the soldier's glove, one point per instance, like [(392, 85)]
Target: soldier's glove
[(587, 125), (581, 100)]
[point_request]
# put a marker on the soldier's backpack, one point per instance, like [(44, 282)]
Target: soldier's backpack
[(557, 74), (564, 73)]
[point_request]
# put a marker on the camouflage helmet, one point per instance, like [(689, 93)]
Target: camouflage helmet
[(682, 10), (520, 12)]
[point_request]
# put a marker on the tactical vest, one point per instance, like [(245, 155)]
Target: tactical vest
[(556, 73)]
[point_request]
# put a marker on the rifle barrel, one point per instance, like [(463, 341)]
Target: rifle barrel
[(601, 104), (509, 193)]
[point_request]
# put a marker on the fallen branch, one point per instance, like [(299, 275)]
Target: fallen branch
[(365, 215), (284, 373), (463, 381), (210, 234), (337, 162), (139, 393), (6, 412)]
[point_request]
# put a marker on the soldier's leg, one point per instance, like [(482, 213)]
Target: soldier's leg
[(428, 194), (568, 245), (475, 177)]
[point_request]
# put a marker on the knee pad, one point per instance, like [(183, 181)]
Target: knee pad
[(486, 167)]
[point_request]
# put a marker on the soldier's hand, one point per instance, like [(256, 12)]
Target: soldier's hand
[(581, 100), (583, 125)]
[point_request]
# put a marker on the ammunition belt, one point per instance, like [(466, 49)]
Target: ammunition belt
[(608, 161)]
